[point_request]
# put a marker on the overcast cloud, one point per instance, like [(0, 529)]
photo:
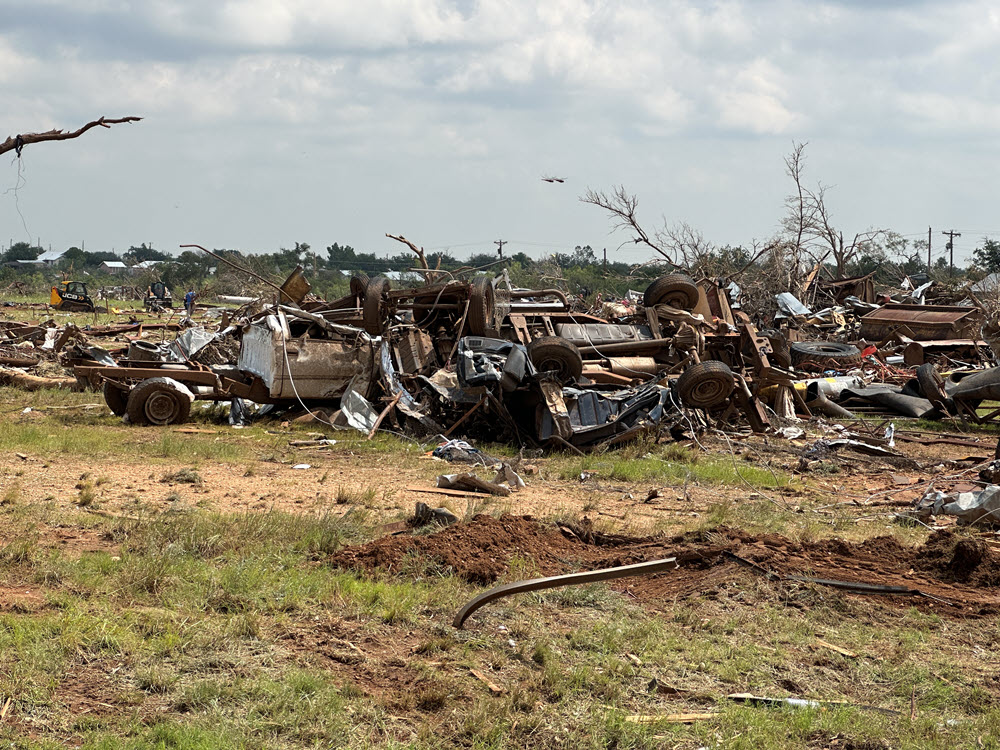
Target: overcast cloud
[(275, 121)]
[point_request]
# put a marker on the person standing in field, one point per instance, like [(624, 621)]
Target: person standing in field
[(189, 303)]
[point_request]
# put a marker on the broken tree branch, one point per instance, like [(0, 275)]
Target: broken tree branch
[(621, 206), (19, 141), (427, 272)]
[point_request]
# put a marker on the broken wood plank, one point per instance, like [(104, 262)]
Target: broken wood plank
[(441, 491), (385, 412), (685, 718), (494, 688), (838, 649), (18, 379), (465, 416)]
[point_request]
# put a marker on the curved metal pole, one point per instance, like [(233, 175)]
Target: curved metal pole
[(571, 579)]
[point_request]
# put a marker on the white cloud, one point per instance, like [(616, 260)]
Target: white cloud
[(753, 100), (445, 92)]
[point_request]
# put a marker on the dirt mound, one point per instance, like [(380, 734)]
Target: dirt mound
[(951, 557), (480, 551), (957, 574)]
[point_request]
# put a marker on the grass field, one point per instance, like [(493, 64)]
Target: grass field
[(191, 623)]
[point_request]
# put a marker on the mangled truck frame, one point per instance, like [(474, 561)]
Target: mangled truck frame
[(453, 352)]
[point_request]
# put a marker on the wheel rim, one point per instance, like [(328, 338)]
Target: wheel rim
[(675, 299), (548, 365), (710, 391), (160, 408)]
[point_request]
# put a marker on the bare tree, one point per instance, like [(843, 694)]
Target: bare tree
[(425, 270), (18, 142), (688, 246), (808, 225), (680, 245), (622, 206)]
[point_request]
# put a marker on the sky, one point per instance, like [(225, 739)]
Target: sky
[(270, 122)]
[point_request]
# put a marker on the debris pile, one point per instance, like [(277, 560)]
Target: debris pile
[(481, 358)]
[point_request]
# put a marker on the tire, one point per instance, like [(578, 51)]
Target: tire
[(675, 289), (116, 398), (824, 352), (159, 401), (374, 308), (482, 308), (706, 384), (359, 282), (555, 354)]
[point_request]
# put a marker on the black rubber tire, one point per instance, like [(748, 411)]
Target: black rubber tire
[(706, 384), (116, 398), (359, 282), (675, 289), (481, 320), (374, 308), (157, 401), (823, 352), (555, 354)]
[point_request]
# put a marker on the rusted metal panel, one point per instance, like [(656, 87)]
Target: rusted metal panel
[(922, 322), (131, 374), (316, 369), (599, 334), (713, 303), (916, 352), (416, 352)]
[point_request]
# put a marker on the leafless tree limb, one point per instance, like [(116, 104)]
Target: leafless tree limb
[(688, 246), (622, 206), (809, 227), (17, 142), (427, 272)]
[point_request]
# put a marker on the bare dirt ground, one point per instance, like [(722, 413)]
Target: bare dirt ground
[(393, 483), (954, 576)]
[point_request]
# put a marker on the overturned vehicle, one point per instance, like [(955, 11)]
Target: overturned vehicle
[(495, 362), (283, 359), (476, 357)]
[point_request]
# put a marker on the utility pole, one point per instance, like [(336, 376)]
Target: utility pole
[(500, 244), (950, 247), (928, 251), (605, 260)]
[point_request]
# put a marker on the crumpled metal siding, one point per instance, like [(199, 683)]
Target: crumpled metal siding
[(319, 368)]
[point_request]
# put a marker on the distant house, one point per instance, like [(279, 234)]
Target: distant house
[(50, 257), (113, 266), (144, 265)]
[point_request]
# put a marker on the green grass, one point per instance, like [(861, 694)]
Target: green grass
[(709, 471), (230, 630), (97, 433)]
